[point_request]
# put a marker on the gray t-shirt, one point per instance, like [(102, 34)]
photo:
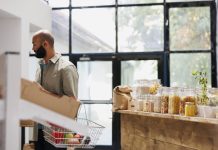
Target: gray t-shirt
[(59, 76)]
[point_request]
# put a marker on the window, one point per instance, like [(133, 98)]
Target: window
[(133, 70), (190, 28), (93, 30), (114, 42), (141, 29), (95, 80), (60, 29), (191, 42)]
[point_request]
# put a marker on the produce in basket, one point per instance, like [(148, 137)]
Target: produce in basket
[(68, 136), (79, 137), (58, 137), (73, 141)]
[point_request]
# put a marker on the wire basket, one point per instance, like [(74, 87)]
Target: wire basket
[(64, 138)]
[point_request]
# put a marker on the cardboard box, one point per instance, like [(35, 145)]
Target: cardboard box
[(29, 146), (63, 105), (27, 123)]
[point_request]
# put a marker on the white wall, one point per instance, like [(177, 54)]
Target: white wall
[(18, 19), (10, 30), (34, 11)]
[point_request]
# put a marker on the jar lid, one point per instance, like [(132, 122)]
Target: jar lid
[(189, 103)]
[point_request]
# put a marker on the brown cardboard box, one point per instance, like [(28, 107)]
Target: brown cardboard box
[(28, 147), (26, 123), (63, 105)]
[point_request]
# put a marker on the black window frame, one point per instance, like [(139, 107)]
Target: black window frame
[(162, 57)]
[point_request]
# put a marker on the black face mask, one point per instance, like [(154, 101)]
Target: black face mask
[(40, 53)]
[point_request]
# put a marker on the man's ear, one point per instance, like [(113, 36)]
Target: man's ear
[(45, 44)]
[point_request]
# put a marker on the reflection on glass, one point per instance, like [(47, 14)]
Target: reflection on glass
[(93, 30), (141, 29), (92, 2), (138, 69), (182, 66), (59, 3), (95, 80), (101, 114), (60, 30), (138, 1), (190, 28)]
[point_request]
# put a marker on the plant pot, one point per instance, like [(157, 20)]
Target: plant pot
[(207, 111)]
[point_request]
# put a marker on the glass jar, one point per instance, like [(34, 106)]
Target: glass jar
[(157, 102), (148, 104), (154, 85), (164, 98), (140, 88), (213, 96), (190, 109), (133, 105), (141, 100), (174, 100), (151, 104), (187, 95)]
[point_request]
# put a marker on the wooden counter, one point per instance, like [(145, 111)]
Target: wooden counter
[(155, 131)]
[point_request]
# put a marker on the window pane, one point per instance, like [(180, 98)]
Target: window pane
[(59, 3), (92, 2), (93, 77), (60, 30), (141, 29), (93, 30), (138, 1), (190, 28), (138, 69), (101, 114), (182, 66)]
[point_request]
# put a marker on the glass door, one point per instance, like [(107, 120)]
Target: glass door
[(95, 91)]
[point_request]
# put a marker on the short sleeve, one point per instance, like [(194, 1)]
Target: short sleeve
[(70, 79)]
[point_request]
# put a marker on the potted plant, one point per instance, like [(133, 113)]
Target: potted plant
[(204, 110), (201, 77)]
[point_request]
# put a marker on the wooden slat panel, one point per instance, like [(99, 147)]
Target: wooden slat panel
[(144, 132)]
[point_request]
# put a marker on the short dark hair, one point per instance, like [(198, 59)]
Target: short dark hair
[(45, 35)]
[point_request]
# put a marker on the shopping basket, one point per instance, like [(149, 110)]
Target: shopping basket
[(64, 138)]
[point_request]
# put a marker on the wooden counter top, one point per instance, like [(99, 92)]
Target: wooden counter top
[(171, 116)]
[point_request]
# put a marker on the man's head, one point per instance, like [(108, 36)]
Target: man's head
[(43, 44)]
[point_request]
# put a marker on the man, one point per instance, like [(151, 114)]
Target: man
[(56, 75)]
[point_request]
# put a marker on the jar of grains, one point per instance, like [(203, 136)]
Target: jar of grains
[(157, 102), (190, 109), (187, 95), (164, 99), (174, 100), (148, 104)]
